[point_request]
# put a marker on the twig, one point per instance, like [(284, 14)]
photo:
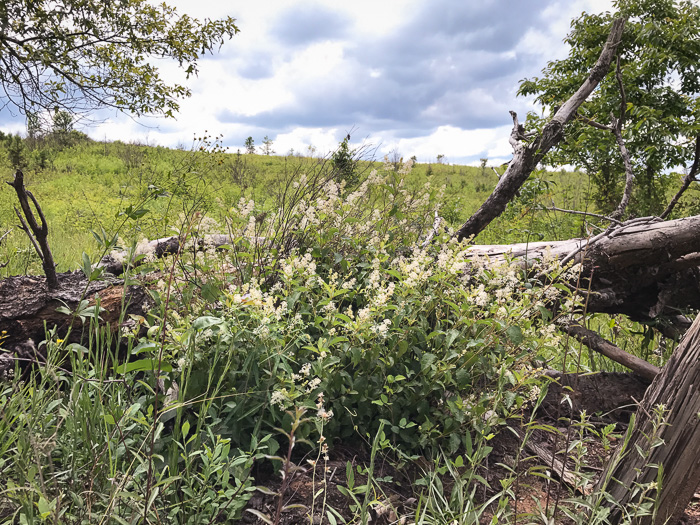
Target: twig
[(583, 246), (689, 177), (588, 213), (617, 131), (593, 123), (615, 128), (6, 234)]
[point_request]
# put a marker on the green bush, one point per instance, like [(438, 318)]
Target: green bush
[(357, 320)]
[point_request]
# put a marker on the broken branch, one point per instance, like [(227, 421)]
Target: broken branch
[(527, 156), (595, 342), (41, 233)]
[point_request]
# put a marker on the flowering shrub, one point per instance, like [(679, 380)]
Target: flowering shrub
[(350, 307)]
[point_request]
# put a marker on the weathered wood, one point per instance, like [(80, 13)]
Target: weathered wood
[(558, 467), (595, 342), (527, 156), (676, 388), (644, 269), (27, 306)]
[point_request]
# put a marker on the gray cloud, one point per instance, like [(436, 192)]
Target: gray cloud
[(450, 64), (302, 25)]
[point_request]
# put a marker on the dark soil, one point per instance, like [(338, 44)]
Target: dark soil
[(607, 398)]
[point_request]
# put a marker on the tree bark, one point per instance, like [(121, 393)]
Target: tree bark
[(645, 269), (527, 156), (28, 308), (676, 388)]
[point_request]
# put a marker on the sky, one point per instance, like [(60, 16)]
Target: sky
[(413, 77)]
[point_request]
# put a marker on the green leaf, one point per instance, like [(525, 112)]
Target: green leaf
[(515, 334), (43, 507), (452, 335), (261, 516), (349, 475), (144, 365), (426, 360), (206, 321), (143, 347), (211, 293)]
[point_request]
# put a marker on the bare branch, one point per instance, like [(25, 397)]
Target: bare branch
[(593, 123), (586, 213), (689, 177), (629, 173), (40, 233), (5, 235), (623, 96), (616, 125), (527, 156), (595, 342)]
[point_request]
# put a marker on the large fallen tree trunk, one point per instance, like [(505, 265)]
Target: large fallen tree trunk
[(672, 445), (28, 308), (645, 270)]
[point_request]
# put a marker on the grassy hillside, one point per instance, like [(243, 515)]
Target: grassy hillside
[(85, 185), (263, 357)]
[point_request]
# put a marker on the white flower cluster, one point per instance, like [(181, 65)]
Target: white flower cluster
[(303, 266)]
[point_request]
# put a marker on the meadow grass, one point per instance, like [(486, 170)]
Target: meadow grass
[(325, 320)]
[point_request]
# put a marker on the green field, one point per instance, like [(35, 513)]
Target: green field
[(85, 186), (324, 322)]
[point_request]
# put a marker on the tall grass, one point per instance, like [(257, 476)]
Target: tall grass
[(326, 318)]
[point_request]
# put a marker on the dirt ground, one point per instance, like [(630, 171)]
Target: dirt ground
[(608, 398)]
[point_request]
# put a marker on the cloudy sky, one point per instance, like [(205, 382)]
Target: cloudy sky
[(421, 77)]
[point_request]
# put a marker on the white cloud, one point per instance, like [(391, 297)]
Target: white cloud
[(457, 145), (427, 79)]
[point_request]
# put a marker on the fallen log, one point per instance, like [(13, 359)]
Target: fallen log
[(645, 268), (28, 308), (117, 261), (595, 342)]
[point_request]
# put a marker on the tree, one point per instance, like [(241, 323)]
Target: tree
[(34, 130), (653, 98), (249, 145), (62, 123), (62, 127), (267, 146), (82, 55), (344, 162)]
